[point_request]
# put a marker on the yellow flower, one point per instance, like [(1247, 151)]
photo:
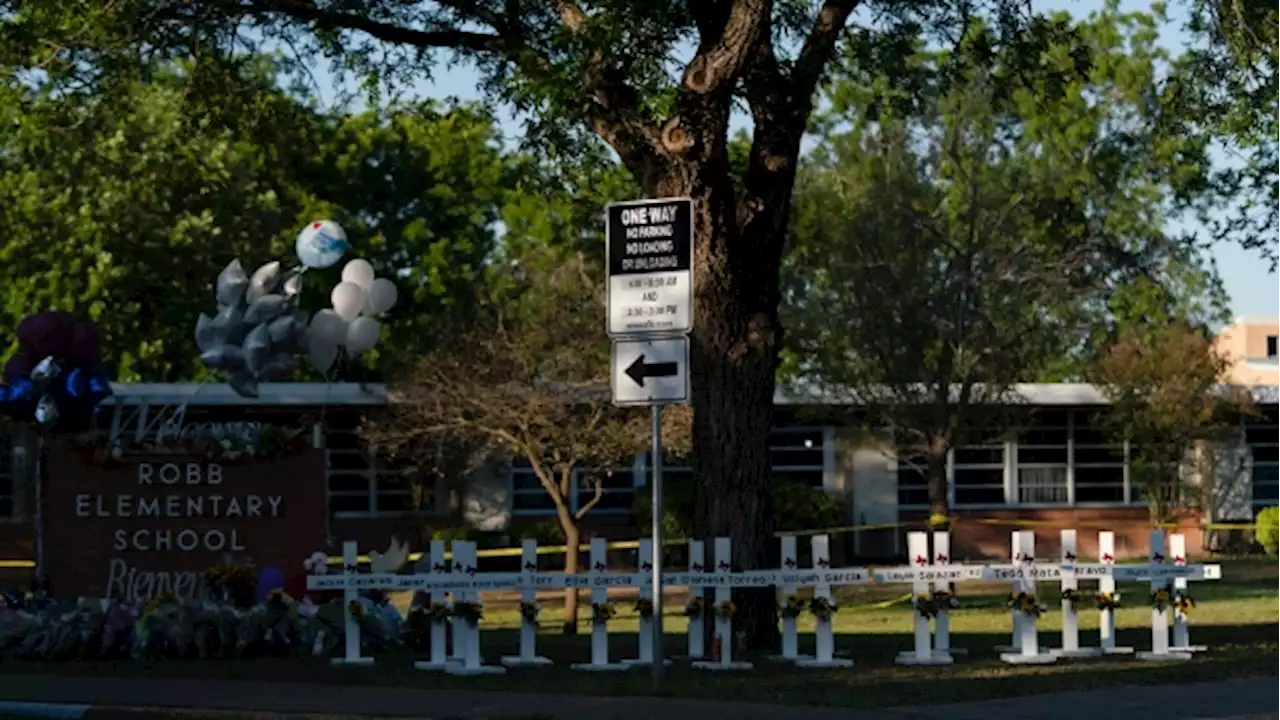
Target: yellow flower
[(726, 608)]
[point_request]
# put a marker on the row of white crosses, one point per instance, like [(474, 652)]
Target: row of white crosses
[(457, 577), (1161, 574)]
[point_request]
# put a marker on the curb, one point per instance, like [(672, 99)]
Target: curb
[(42, 710)]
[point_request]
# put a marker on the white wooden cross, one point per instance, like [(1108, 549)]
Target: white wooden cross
[(696, 609), (1070, 612), (438, 658), (1181, 629), (922, 650), (598, 558), (942, 623), (650, 625), (528, 656), (1024, 573), (467, 634), (723, 623), (824, 642), (1163, 576), (790, 633)]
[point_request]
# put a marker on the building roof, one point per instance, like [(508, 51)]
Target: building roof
[(375, 394)]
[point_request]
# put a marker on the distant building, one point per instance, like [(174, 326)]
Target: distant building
[(1250, 344)]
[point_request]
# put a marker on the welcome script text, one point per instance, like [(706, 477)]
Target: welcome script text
[(172, 492)]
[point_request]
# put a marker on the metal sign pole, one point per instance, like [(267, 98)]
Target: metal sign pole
[(659, 656)]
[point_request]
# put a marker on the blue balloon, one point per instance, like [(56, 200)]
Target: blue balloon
[(75, 384), (270, 578)]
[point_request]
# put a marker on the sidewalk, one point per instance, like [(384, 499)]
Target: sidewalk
[(1253, 697)]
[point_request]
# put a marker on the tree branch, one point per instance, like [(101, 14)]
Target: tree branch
[(387, 32), (599, 493), (818, 47)]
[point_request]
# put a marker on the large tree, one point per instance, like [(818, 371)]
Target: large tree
[(971, 235), (658, 81)]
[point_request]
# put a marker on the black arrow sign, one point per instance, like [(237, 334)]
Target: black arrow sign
[(639, 370)]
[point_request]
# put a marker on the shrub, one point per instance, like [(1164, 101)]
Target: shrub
[(1267, 530)]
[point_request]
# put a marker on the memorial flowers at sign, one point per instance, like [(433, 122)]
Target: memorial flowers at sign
[(1073, 597), (1161, 599), (1183, 602), (822, 608), (356, 608), (1107, 601), (469, 612), (791, 607), (529, 612), (55, 381), (1027, 604), (644, 608), (438, 612), (602, 612)]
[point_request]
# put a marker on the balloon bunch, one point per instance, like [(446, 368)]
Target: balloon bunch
[(258, 328), (350, 327), (56, 378)]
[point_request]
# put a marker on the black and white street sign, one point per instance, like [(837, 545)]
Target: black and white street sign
[(651, 372), (649, 244)]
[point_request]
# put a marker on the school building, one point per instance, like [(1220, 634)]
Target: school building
[(324, 484)]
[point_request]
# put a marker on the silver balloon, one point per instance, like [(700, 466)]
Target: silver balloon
[(265, 309), (264, 281), (44, 371), (243, 385), (292, 284), (46, 411), (225, 321), (281, 329), (208, 337), (257, 349), (223, 357), (231, 284), (322, 354), (280, 367)]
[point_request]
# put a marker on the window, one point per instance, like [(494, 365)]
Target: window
[(1042, 458), (10, 467), (1271, 347), (1098, 461), (617, 490), (361, 483), (978, 472), (913, 481), (1260, 434), (798, 454)]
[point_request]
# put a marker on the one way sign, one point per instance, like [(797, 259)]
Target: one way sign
[(651, 372)]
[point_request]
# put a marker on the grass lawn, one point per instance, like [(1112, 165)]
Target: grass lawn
[(1235, 617)]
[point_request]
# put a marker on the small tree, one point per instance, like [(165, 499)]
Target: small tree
[(530, 380), (1168, 399)]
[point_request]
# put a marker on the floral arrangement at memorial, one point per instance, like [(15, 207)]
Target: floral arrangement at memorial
[(602, 612), (1026, 603), (1107, 601), (822, 608), (1074, 597)]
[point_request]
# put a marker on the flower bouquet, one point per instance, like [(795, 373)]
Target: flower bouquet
[(1107, 601), (1073, 597), (644, 608), (470, 612), (695, 607), (529, 612), (726, 609), (1026, 604), (1183, 603), (602, 613), (791, 607), (1161, 599), (946, 599), (438, 612), (822, 608), (926, 605)]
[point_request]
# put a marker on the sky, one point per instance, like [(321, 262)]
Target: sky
[(1253, 288)]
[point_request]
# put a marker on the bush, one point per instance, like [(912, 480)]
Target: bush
[(795, 506), (1267, 530)]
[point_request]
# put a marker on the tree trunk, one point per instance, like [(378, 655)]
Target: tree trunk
[(936, 474), (734, 355), (572, 538)]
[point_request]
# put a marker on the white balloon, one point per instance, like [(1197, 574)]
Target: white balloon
[(380, 297), (347, 299), (358, 271), (321, 244), (362, 335), (327, 328)]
